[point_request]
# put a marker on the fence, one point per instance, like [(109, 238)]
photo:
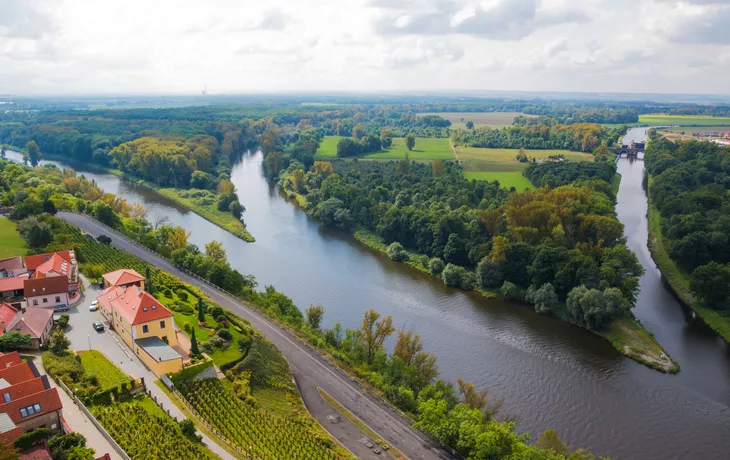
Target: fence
[(254, 311), (93, 419)]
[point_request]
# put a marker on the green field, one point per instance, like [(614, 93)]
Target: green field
[(698, 129), (11, 243), (506, 179), (681, 120), (427, 148), (108, 375), (491, 119)]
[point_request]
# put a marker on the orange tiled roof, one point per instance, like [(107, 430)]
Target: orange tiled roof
[(23, 389), (12, 284), (33, 262), (9, 359), (55, 264), (134, 304), (48, 400), (7, 314), (17, 373), (122, 277)]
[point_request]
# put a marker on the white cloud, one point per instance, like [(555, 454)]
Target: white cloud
[(59, 46)]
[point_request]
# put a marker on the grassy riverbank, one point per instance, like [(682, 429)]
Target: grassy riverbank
[(678, 280), (627, 335)]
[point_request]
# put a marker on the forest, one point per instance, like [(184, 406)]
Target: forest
[(551, 246), (689, 188)]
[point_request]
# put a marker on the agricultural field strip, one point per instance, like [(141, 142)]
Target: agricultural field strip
[(394, 428)]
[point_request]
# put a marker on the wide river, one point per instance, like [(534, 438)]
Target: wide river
[(550, 373)]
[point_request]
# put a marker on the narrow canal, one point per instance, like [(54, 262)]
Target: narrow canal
[(552, 374)]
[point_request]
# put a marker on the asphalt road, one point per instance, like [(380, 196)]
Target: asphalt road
[(308, 368)]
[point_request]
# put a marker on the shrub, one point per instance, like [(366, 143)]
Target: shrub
[(28, 440), (187, 327), (225, 334), (215, 311), (62, 365), (509, 291), (63, 320), (217, 341), (452, 275), (182, 294), (221, 318), (544, 299), (396, 252), (436, 266)]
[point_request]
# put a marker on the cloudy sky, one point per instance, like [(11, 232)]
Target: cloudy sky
[(178, 46)]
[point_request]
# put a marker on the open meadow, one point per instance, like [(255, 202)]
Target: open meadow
[(11, 243), (682, 120), (506, 179), (491, 119), (427, 148)]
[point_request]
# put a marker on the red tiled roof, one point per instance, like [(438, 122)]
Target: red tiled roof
[(122, 277), (46, 286), (39, 452), (17, 373), (12, 284), (7, 314), (9, 359), (136, 305), (33, 262), (48, 399), (23, 389), (33, 321), (55, 264), (12, 433), (11, 263)]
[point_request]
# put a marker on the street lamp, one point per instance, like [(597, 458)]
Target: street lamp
[(88, 336)]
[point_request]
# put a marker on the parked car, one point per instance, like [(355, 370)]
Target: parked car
[(98, 326), (61, 307), (94, 305)]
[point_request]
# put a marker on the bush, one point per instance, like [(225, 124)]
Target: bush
[(215, 311), (62, 365), (225, 334), (182, 294), (28, 440), (436, 266), (63, 320), (186, 327), (217, 341), (509, 291), (452, 275), (544, 299), (221, 318), (396, 252)]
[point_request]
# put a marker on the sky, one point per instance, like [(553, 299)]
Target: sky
[(245, 46)]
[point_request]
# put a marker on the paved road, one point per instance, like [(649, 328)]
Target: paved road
[(308, 368), (83, 337)]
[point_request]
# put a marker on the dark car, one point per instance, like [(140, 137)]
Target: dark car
[(98, 326)]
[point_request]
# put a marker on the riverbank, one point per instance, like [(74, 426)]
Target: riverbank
[(627, 335), (224, 220), (677, 280)]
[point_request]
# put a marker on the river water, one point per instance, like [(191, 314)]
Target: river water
[(550, 373)]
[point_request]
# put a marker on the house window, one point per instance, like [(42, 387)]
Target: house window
[(58, 298), (45, 299), (35, 301), (7, 397), (145, 329), (162, 324), (30, 410)]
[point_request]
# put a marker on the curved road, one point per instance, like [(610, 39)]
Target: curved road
[(308, 368)]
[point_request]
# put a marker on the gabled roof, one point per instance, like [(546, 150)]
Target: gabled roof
[(33, 321), (122, 276), (33, 262), (12, 284), (48, 400), (12, 263), (8, 431), (56, 263), (9, 359), (45, 286), (7, 314), (24, 389), (18, 373), (134, 304)]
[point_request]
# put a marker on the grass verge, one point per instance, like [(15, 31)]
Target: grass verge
[(11, 243), (108, 375), (358, 423)]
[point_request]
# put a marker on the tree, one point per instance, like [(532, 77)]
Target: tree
[(274, 164), (36, 233), (149, 286), (7, 450), (375, 332), (194, 344), (469, 124), (711, 283), (201, 310), (178, 238), (544, 299), (2, 152), (550, 440), (215, 250), (106, 215), (94, 271), (408, 346), (63, 321), (437, 168), (410, 141), (58, 342), (103, 239), (436, 266), (49, 207), (13, 340), (33, 155), (509, 291), (489, 273), (473, 398), (396, 252), (315, 313), (236, 209)]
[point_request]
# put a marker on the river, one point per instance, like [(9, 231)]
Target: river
[(550, 373)]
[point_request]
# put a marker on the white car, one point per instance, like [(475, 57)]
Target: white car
[(94, 305)]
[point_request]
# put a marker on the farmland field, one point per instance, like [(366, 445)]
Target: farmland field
[(506, 179), (491, 119), (681, 120), (699, 129), (427, 148), (11, 243)]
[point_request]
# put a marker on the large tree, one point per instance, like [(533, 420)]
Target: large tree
[(33, 153), (375, 332)]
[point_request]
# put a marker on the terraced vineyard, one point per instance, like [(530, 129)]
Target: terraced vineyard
[(143, 435), (258, 433)]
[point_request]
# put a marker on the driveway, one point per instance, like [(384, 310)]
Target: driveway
[(82, 335)]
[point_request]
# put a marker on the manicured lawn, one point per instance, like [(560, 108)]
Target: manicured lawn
[(491, 119), (427, 148), (106, 372), (506, 179), (681, 120), (11, 243)]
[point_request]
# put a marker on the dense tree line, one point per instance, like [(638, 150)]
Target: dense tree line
[(480, 235), (579, 137), (555, 174), (690, 183)]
